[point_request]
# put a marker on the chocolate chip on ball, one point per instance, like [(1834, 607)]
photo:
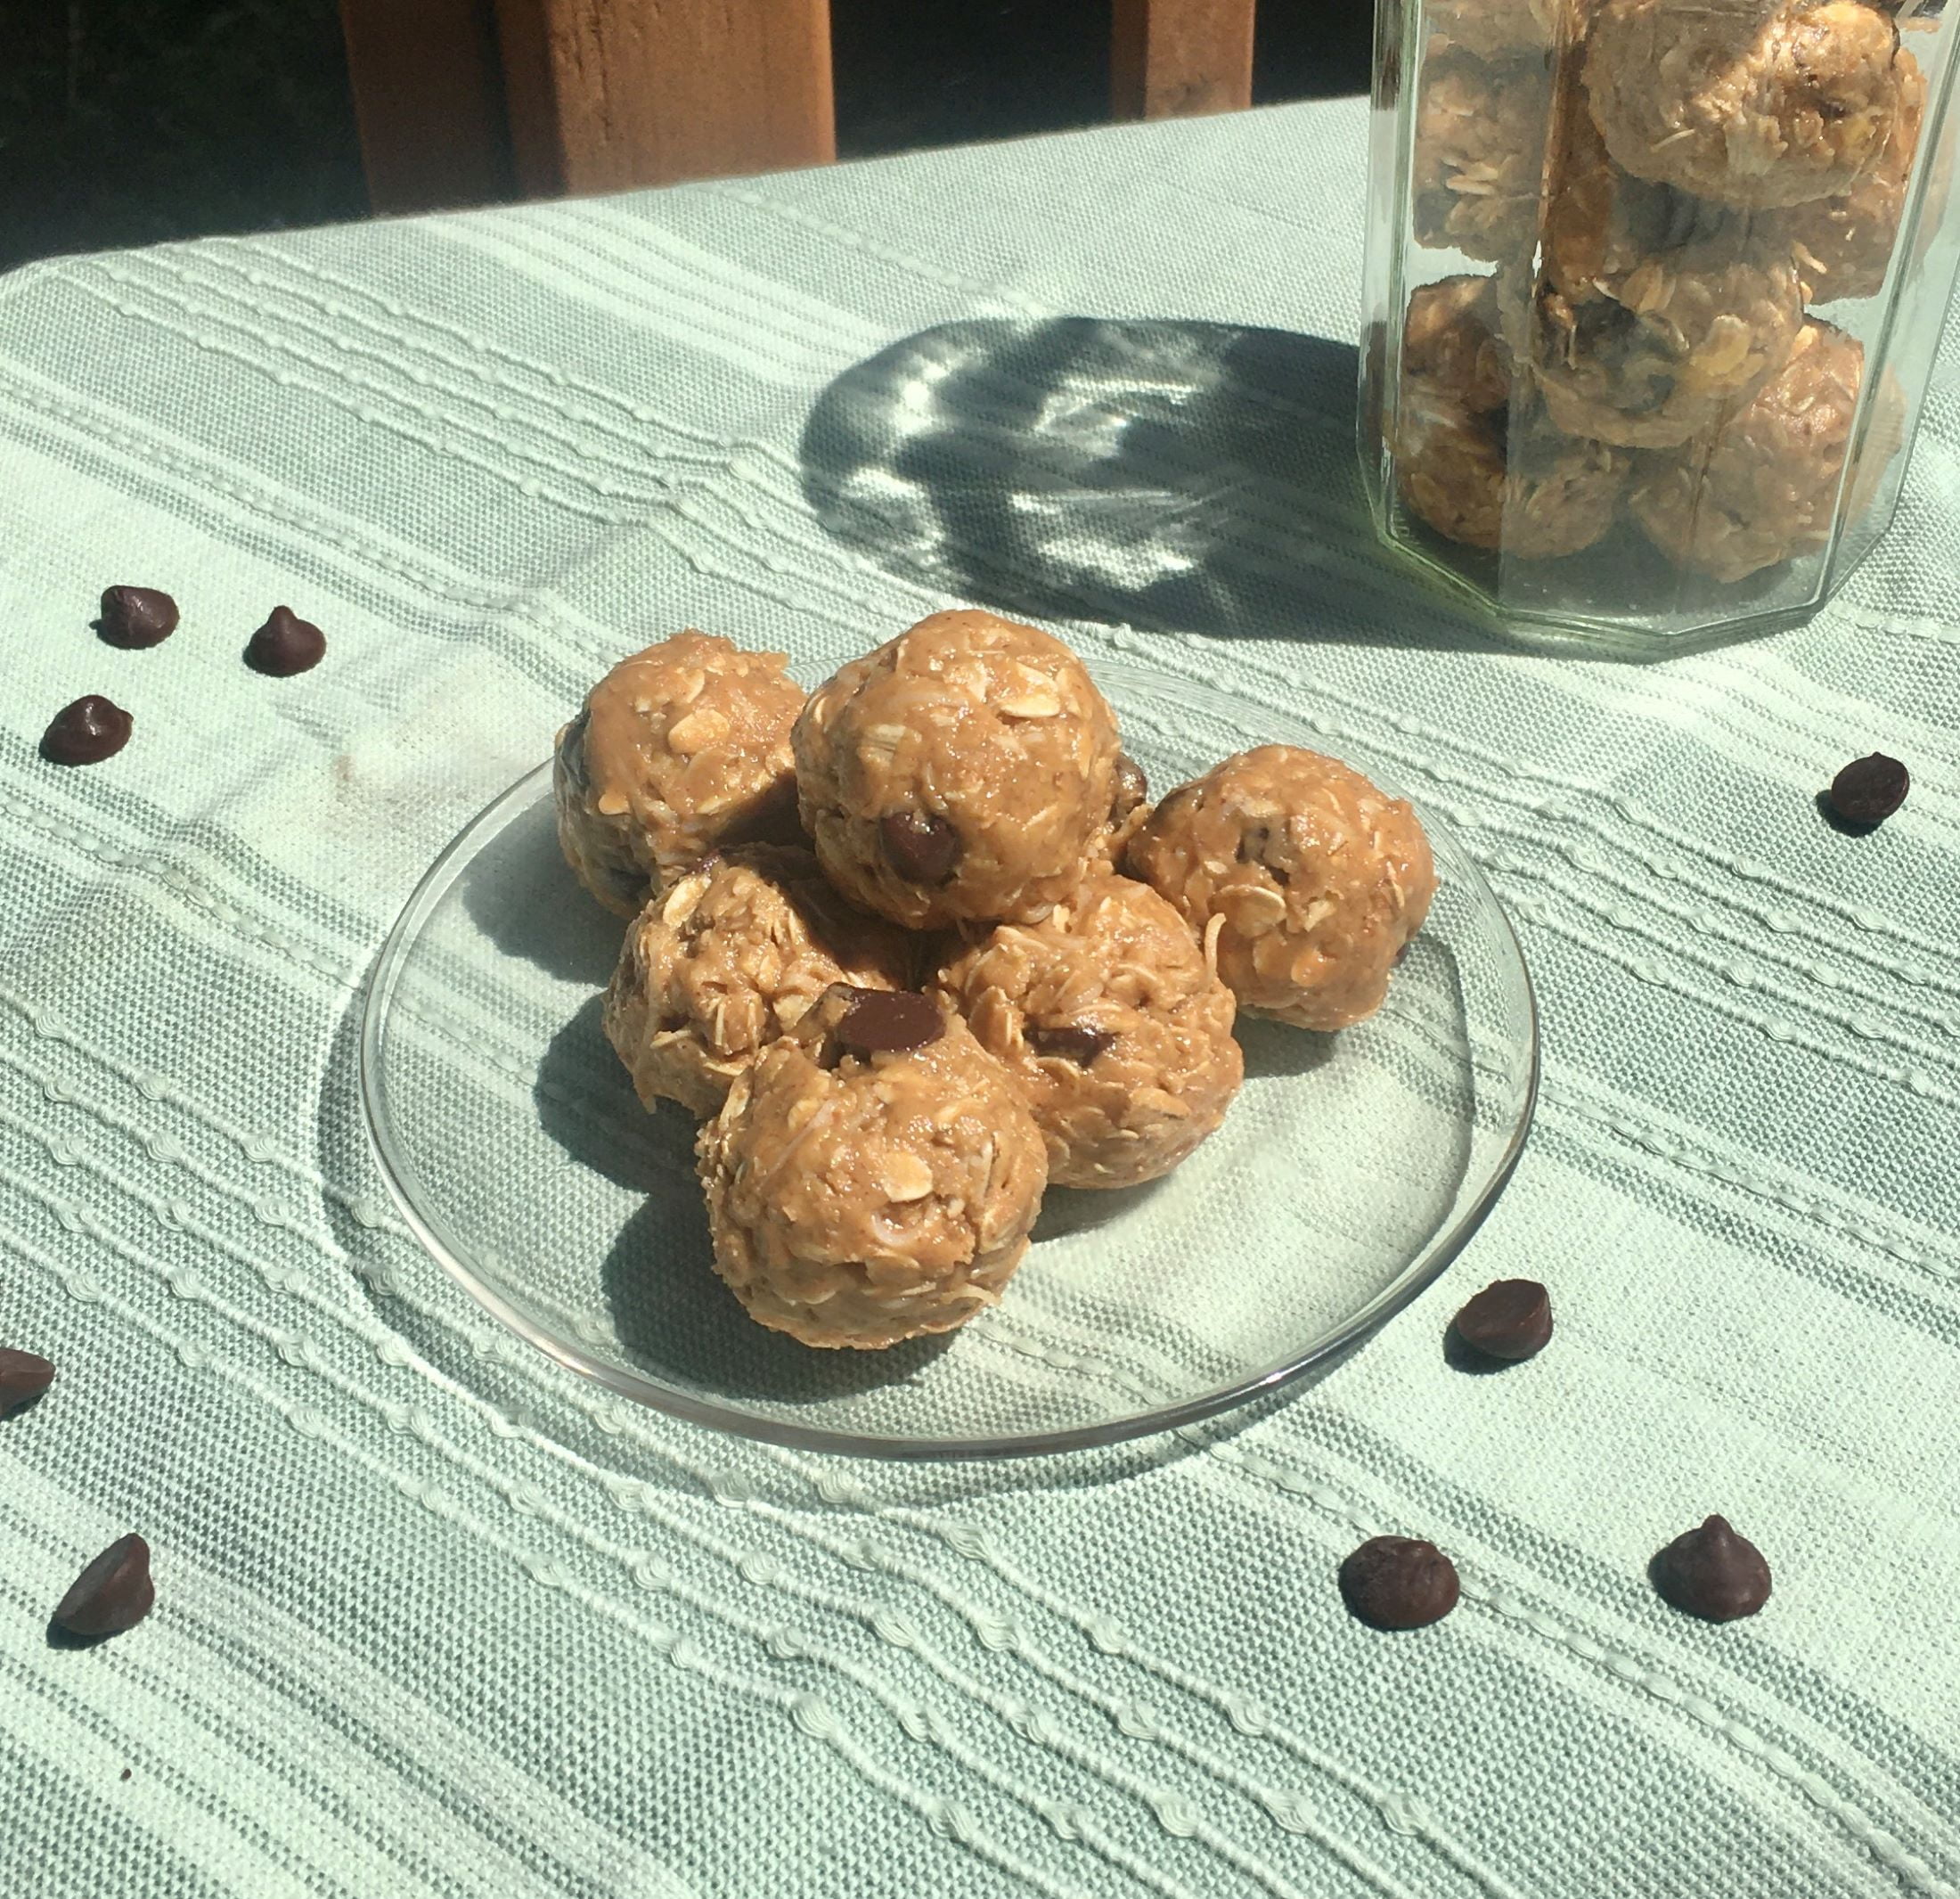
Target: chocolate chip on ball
[(886, 1020), (1078, 1042), (922, 847)]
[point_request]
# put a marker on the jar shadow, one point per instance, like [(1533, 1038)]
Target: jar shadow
[(1149, 474)]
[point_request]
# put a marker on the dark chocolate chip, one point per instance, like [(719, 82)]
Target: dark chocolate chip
[(1510, 1319), (126, 1773), (1868, 791), (571, 751), (137, 617), (1129, 789), (92, 729), (1398, 1583), (112, 1594), (285, 644), (1713, 1573), (880, 1020), (24, 1376), (922, 847), (1077, 1042)]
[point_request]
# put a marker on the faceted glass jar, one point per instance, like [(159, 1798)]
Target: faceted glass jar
[(1654, 290)]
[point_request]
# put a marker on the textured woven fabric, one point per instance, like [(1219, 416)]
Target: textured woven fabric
[(435, 1617)]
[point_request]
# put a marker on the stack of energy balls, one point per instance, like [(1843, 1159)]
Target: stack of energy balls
[(917, 946), (1665, 186)]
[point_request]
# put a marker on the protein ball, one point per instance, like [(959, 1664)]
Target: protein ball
[(1844, 244), (857, 1198), (962, 772), (1479, 152), (1494, 481), (730, 956), (1764, 487), (1118, 1031), (1753, 105), (1671, 347), (1304, 881), (1492, 28), (1450, 341), (1602, 225), (680, 750)]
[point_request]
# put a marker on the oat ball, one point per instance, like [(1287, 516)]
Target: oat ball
[(1304, 881), (1480, 150), (727, 959), (1503, 482), (1750, 103), (1491, 28), (1466, 463), (676, 752), (1450, 341), (962, 772), (1602, 223), (1680, 341), (1844, 244), (1764, 487), (874, 1176), (1116, 1026)]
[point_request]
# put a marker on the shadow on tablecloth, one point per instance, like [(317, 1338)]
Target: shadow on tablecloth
[(1193, 476)]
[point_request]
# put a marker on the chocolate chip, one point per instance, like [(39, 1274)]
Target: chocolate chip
[(1713, 1573), (1398, 1583), (920, 846), (1868, 791), (571, 751), (24, 1376), (1510, 1319), (1078, 1042), (1128, 788), (1264, 842), (137, 617), (126, 1773), (882, 1020), (285, 644), (112, 1594), (87, 732)]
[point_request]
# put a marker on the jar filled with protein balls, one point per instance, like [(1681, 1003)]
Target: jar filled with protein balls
[(1655, 289)]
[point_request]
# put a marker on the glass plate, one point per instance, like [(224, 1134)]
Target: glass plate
[(1352, 1169)]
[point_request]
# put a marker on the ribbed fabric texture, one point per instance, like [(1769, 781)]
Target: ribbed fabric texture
[(433, 1616)]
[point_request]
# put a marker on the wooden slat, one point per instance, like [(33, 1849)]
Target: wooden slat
[(429, 102), (603, 94), (1174, 59)]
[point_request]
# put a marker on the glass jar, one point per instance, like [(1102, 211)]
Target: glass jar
[(1654, 292)]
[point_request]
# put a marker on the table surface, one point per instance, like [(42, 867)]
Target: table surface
[(433, 1616)]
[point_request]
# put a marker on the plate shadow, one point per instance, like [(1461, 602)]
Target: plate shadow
[(677, 1322)]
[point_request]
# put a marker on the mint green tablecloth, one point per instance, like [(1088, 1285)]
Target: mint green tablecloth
[(433, 1616)]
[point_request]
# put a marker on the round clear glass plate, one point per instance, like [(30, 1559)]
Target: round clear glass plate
[(1352, 1169)]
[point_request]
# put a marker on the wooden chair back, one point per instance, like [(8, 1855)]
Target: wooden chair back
[(469, 102)]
